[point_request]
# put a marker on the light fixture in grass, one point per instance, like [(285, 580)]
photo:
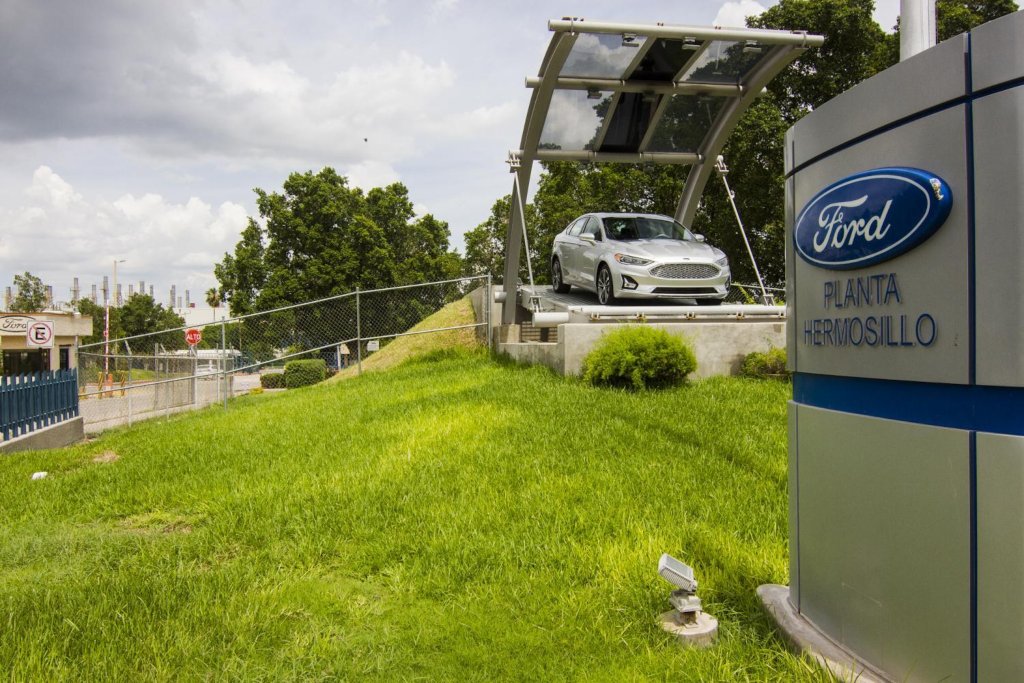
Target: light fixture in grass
[(639, 357)]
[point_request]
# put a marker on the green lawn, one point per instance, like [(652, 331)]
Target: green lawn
[(450, 519)]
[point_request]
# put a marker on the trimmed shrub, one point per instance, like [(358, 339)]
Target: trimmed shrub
[(302, 373), (765, 364), (272, 380), (639, 357)]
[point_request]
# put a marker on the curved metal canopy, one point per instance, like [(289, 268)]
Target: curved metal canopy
[(642, 93)]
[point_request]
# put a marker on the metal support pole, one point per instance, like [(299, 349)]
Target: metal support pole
[(359, 336), (722, 171), (917, 27), (489, 295), (130, 392), (224, 359), (518, 198)]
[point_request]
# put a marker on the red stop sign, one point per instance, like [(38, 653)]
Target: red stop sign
[(193, 335)]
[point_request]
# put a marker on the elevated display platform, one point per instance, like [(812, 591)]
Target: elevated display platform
[(720, 335), (545, 308)]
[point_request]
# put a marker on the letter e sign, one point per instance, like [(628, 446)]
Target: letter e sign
[(40, 334)]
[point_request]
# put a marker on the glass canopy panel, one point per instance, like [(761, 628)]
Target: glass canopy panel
[(725, 61), (574, 119), (629, 122), (663, 60), (601, 55), (685, 123)]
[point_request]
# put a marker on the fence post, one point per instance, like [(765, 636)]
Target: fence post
[(359, 336), (130, 392), (224, 359), (487, 307)]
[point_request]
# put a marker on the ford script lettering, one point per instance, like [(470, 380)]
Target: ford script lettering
[(871, 217), (15, 324)]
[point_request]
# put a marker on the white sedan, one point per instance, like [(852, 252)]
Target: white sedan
[(639, 256)]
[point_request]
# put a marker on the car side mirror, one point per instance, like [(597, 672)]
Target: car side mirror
[(699, 238)]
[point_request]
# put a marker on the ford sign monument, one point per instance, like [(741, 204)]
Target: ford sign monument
[(905, 297)]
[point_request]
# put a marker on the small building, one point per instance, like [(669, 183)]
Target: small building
[(19, 357)]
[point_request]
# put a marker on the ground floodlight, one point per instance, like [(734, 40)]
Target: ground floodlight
[(677, 573), (686, 621)]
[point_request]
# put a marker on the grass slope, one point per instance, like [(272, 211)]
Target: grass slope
[(401, 349), (452, 519)]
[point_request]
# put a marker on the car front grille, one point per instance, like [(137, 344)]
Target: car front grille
[(686, 271), (684, 290)]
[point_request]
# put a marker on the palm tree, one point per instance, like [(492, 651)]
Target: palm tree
[(213, 297)]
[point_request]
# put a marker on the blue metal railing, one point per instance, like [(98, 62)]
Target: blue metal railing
[(40, 399)]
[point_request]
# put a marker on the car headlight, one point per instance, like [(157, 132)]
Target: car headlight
[(632, 260), (723, 262)]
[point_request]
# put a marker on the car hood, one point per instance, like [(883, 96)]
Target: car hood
[(663, 250)]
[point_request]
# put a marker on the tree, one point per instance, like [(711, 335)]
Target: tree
[(97, 312), (323, 238), (854, 50), (213, 298), (142, 315), (243, 275), (320, 238), (485, 244), (953, 17), (31, 296)]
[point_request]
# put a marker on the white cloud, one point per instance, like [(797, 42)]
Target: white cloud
[(370, 174), (439, 7), (733, 14), (58, 235), (234, 75), (50, 189)]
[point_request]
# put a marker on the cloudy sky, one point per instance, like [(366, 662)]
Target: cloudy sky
[(136, 130)]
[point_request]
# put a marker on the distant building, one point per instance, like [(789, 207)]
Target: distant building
[(20, 358)]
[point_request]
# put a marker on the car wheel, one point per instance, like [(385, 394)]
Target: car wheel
[(605, 290), (557, 283), (709, 302)]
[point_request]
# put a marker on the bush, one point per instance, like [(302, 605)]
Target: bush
[(765, 364), (273, 380), (639, 358), (302, 373)]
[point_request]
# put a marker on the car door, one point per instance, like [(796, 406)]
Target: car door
[(589, 252), (570, 247)]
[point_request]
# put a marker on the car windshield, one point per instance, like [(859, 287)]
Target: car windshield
[(630, 228)]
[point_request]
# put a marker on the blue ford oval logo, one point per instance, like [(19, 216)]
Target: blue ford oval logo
[(870, 217)]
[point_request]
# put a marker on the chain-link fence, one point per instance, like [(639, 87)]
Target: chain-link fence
[(158, 373), (752, 294)]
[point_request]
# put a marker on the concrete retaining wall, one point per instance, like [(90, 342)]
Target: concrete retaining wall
[(55, 436), (719, 346)]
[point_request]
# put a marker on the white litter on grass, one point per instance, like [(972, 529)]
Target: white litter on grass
[(39, 475)]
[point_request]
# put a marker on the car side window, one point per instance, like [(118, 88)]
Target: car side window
[(576, 227)]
